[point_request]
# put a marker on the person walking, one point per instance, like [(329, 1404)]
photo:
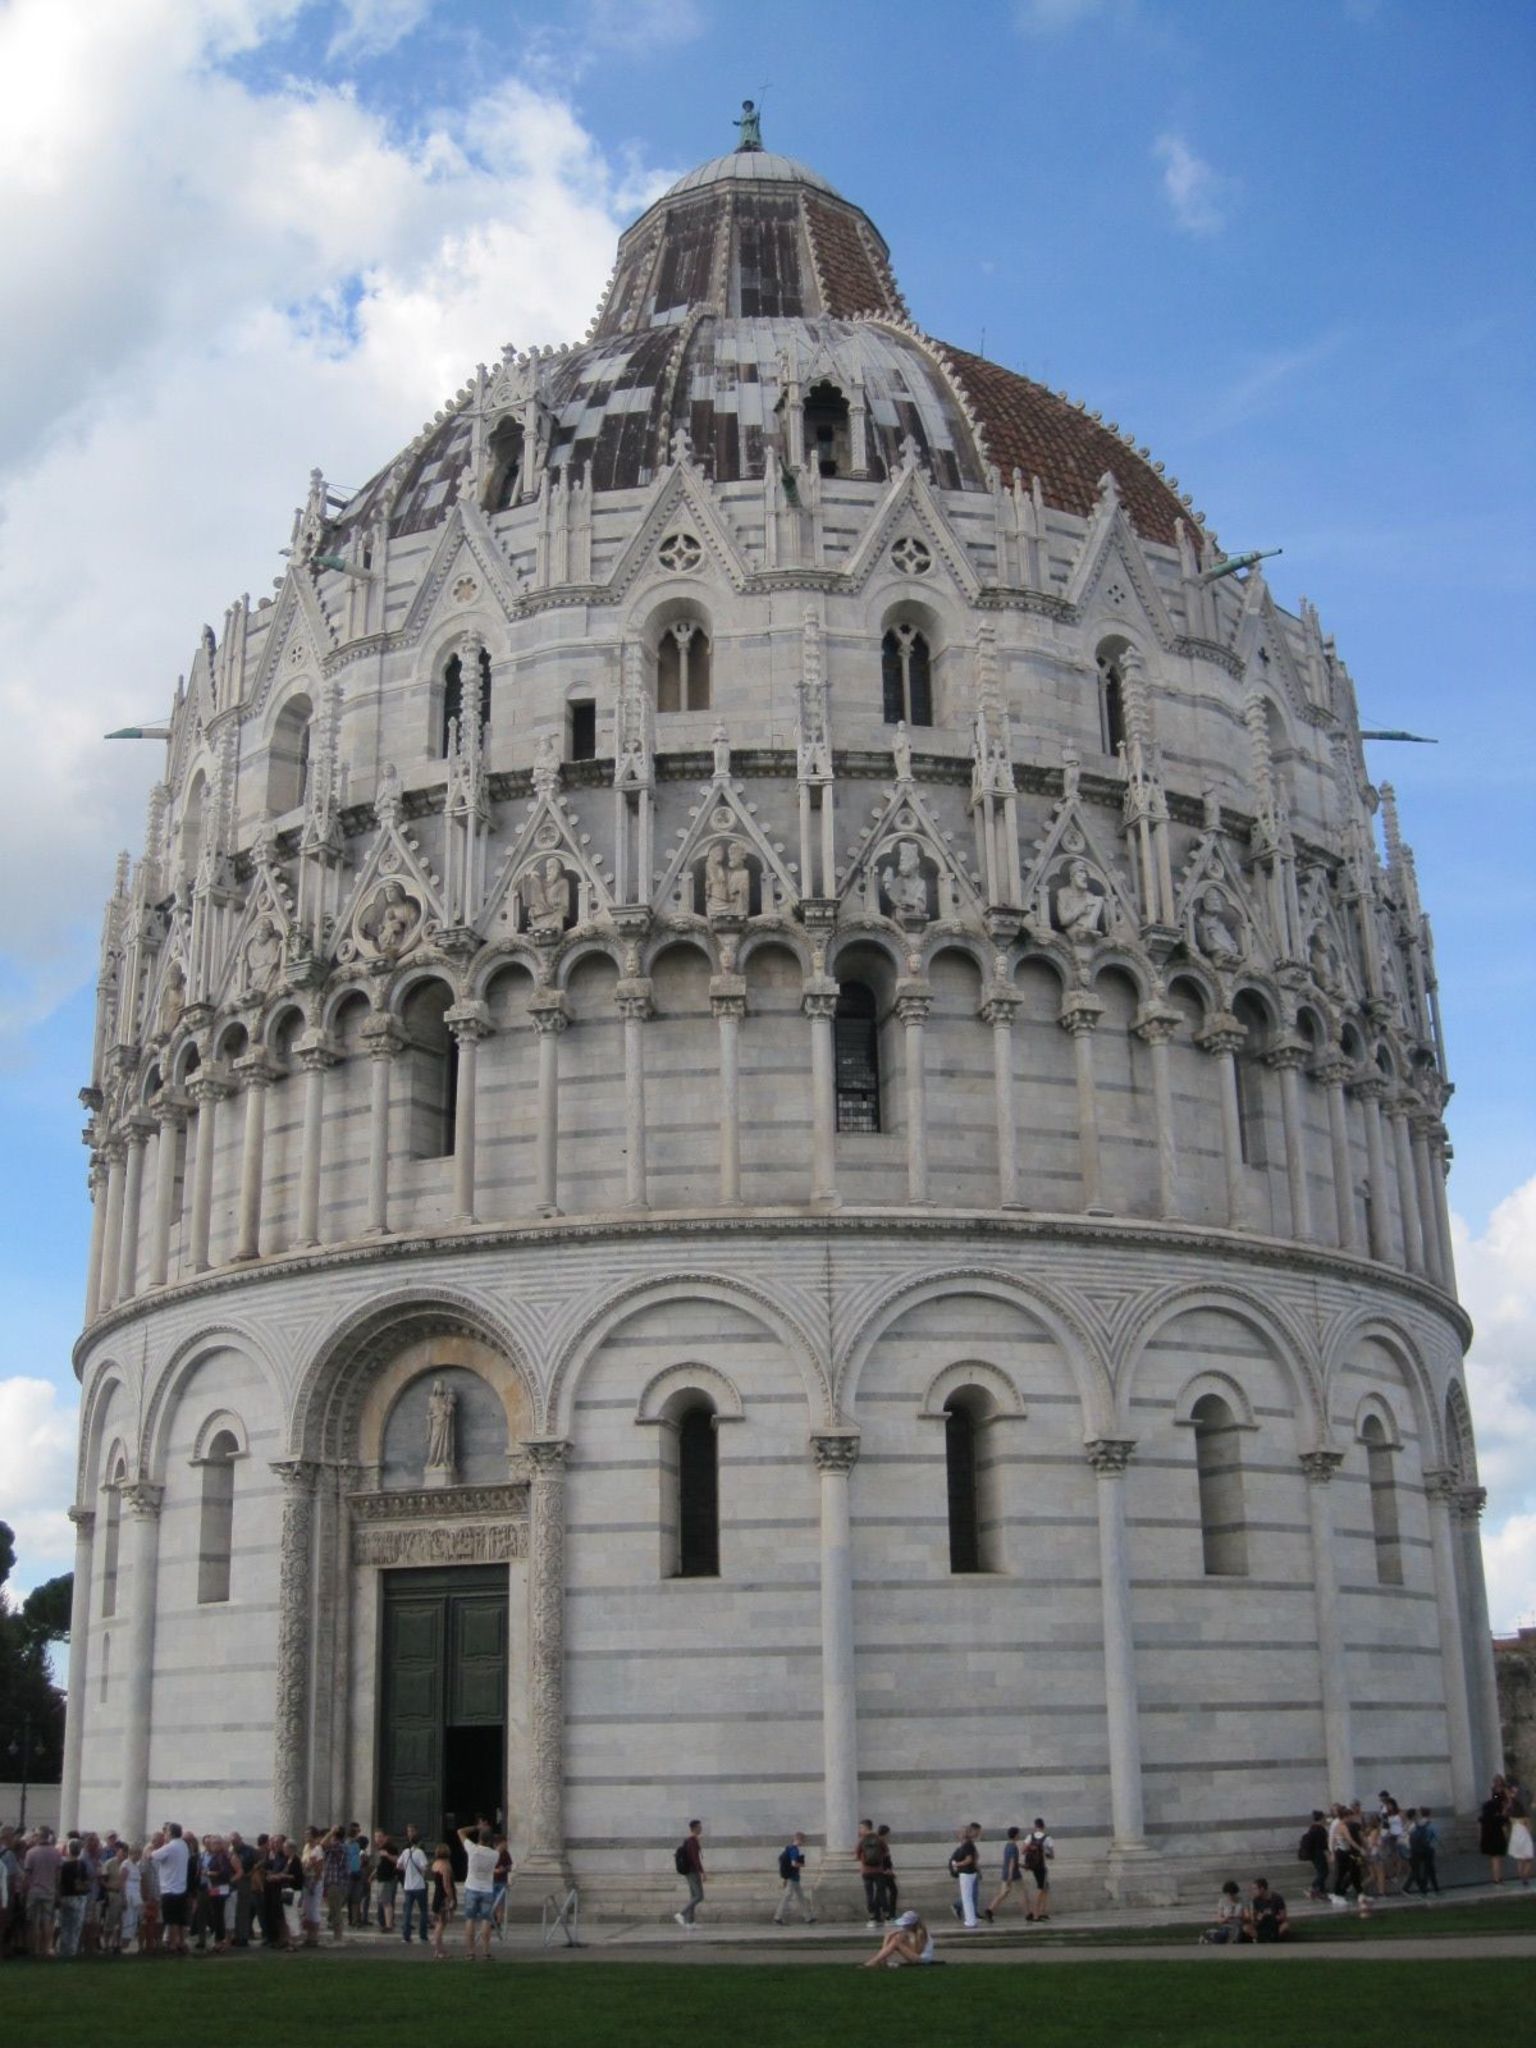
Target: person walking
[(965, 1869), (445, 1897), (1038, 1856), (791, 1868), (870, 1853), (689, 1862), (1010, 1873), (890, 1890), (414, 1868), (1493, 1829)]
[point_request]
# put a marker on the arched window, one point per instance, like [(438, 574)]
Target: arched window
[(827, 438), (112, 1539), (288, 757), (215, 1532), (970, 1482), (1379, 1469), (1219, 1466), (191, 847), (906, 677), (453, 699), (682, 667), (1111, 702), (1252, 1081), (856, 1054), (581, 729), (504, 484), (432, 1071), (698, 1492)]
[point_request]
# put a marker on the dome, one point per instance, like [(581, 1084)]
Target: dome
[(750, 269)]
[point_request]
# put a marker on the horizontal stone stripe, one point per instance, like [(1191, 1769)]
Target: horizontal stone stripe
[(1223, 1583), (732, 1587), (947, 1711), (694, 1779), (670, 1717), (696, 1654), (807, 1523), (1010, 1772), (1375, 1591), (1255, 1766)]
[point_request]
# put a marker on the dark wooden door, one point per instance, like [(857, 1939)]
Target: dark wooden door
[(442, 1697)]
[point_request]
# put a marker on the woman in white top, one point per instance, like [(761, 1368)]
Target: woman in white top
[(908, 1941)]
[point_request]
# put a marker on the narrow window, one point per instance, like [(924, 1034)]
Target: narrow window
[(906, 677), (698, 1495), (583, 730), (505, 484), (856, 1058), (112, 1542), (453, 704), (1379, 1469), (1111, 705), (827, 441), (215, 1536), (432, 1071), (960, 1471), (683, 668), (106, 1665), (1218, 1465), (1250, 1111)]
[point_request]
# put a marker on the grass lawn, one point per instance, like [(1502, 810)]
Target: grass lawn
[(1394, 1922), (1222, 2003)]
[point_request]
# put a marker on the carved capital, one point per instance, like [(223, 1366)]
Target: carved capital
[(633, 997), (818, 996), (169, 1110), (914, 999), (209, 1084), (298, 1475), (1470, 1502), (1080, 1012), (382, 1037), (1366, 1085), (1442, 1484), (84, 1520), (1333, 1070), (468, 1021), (549, 1011), (255, 1070), (547, 1455), (999, 1010), (142, 1498), (1156, 1022), (1109, 1455), (1289, 1053), (315, 1052), (1221, 1033), (1320, 1466), (139, 1128), (727, 995), (835, 1451)]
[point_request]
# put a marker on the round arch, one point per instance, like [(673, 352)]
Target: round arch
[(1269, 1324), (174, 1376), (108, 1379), (1354, 1328)]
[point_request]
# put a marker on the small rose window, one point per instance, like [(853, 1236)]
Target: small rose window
[(911, 556), (680, 551)]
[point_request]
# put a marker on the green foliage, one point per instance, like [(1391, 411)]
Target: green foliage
[(31, 1705), (45, 1611), (7, 1551)]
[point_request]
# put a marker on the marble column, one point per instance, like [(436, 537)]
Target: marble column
[(550, 1016), (633, 996), (1155, 1025), (728, 1005), (139, 1128), (93, 1275), (1331, 1072), (295, 1647), (819, 1002), (170, 1120), (1488, 1730), (1368, 1088), (115, 1153), (1222, 1037), (469, 1023), (1080, 1014), (84, 1520), (207, 1091), (1440, 1492), (384, 1041), (999, 1010), (1338, 1731), (545, 1851), (1423, 1169), (1440, 1161), (314, 1053), (142, 1504), (256, 1075), (836, 1453), (1288, 1060), (1407, 1187), (1109, 1457), (913, 1001)]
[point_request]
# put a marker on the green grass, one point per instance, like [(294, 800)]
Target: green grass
[(1393, 1922), (1219, 2003)]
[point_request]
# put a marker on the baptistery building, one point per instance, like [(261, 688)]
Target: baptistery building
[(766, 1139)]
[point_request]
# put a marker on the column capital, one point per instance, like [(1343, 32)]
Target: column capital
[(1290, 1054), (256, 1070), (1156, 1022), (382, 1036), (208, 1084), (468, 1020), (818, 996), (1080, 1012), (1109, 1455), (549, 1010), (728, 995), (142, 1498), (1320, 1466), (1442, 1483), (315, 1052), (114, 1150), (84, 1520), (914, 998), (139, 1126), (169, 1110), (547, 1455), (835, 1450), (1333, 1070), (633, 997), (999, 1007), (1469, 1503), (1366, 1085), (298, 1475), (1221, 1033)]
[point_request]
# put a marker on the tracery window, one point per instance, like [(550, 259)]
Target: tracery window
[(1111, 704), (827, 431), (1219, 1470), (683, 667), (856, 1058), (906, 676), (215, 1535), (453, 698), (505, 484)]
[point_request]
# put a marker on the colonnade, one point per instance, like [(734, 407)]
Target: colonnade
[(1407, 1220)]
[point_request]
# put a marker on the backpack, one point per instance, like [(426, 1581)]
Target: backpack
[(871, 1852), (680, 1859), (787, 1865), (1304, 1848)]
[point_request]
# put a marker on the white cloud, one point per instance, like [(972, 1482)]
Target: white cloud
[(370, 27), (211, 288), (1200, 196), (37, 1479), (1496, 1273), (642, 24)]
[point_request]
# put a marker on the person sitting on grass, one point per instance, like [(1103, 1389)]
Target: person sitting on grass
[(908, 1941), (1229, 1917), (1266, 1918)]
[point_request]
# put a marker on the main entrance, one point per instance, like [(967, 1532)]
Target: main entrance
[(442, 1744)]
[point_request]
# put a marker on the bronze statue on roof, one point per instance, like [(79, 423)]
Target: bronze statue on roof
[(750, 126)]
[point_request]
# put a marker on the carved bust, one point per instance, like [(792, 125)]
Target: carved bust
[(1218, 933), (1080, 909), (905, 885), (546, 896)]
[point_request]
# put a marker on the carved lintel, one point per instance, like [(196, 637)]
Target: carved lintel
[(454, 1543), (437, 1504)]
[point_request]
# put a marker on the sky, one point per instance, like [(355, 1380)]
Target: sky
[(1292, 247)]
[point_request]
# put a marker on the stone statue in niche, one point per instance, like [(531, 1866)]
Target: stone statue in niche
[(442, 1407), (396, 919), (1080, 911), (901, 751), (1218, 933), (546, 897), (727, 880), (263, 955), (173, 1000), (905, 885), (1323, 958)]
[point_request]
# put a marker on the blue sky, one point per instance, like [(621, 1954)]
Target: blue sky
[(1292, 247)]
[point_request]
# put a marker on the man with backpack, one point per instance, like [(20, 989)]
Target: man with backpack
[(414, 1866), (1039, 1854), (870, 1852), (1423, 1835), (1313, 1849), (791, 1865), (688, 1861)]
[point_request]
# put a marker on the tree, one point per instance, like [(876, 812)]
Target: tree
[(31, 1705), (45, 1611)]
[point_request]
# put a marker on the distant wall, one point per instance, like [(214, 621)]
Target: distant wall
[(42, 1805), (1514, 1660)]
